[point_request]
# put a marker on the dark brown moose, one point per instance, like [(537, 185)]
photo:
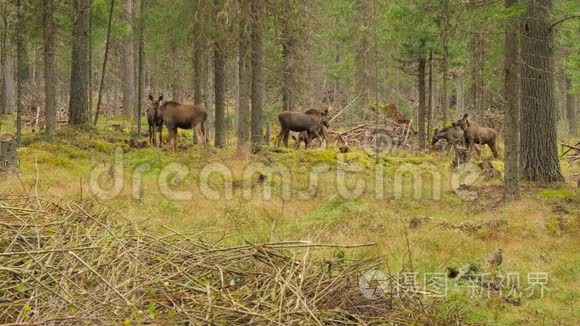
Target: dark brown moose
[(154, 120), (183, 116), (475, 134), (311, 121)]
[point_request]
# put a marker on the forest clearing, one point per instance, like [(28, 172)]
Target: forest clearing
[(289, 162)]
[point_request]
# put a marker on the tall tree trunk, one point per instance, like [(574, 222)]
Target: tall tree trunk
[(511, 109), (197, 78), (445, 95), (538, 133), (79, 106), (49, 67), (430, 95), (460, 93), (174, 74), (3, 62), (571, 108), (105, 59), (128, 61), (244, 76), (141, 63), (90, 68), (421, 113), (257, 74), (20, 68), (362, 89), (219, 78), (288, 73)]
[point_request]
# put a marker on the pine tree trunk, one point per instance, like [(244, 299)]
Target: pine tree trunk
[(3, 63), (20, 68), (288, 74), (257, 75), (539, 156), (430, 95), (174, 74), (421, 113), (128, 61), (49, 67), (8, 154), (511, 109), (244, 77), (571, 109), (219, 79), (141, 64), (79, 106), (197, 80), (105, 60)]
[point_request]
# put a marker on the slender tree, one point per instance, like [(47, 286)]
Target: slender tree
[(257, 74), (539, 155), (105, 59), (421, 113), (20, 66), (128, 61), (511, 108), (219, 77), (244, 76), (3, 61), (571, 108), (79, 107), (141, 63), (49, 67)]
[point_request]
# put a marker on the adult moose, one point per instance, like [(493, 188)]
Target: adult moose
[(475, 134), (154, 120), (311, 121), (183, 116)]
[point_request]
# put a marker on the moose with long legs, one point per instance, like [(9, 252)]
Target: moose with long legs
[(154, 120), (183, 116), (311, 121), (475, 134)]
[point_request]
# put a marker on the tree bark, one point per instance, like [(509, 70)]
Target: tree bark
[(539, 157), (49, 68), (288, 73), (79, 106), (3, 63), (571, 109), (511, 109), (105, 59), (257, 75), (128, 61), (430, 95), (421, 113), (20, 68), (219, 79), (174, 74), (244, 77), (8, 154), (445, 95), (141, 63)]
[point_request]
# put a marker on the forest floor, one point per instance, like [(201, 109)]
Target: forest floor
[(420, 233)]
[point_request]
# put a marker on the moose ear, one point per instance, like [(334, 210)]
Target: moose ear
[(454, 124), (150, 97), (465, 116), (160, 98)]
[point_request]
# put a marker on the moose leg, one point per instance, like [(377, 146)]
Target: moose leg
[(172, 138), (160, 131), (286, 135), (494, 150), (279, 138)]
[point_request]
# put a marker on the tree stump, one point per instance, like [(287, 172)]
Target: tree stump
[(8, 154)]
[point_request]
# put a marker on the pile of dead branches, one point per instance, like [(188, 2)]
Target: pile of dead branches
[(366, 135), (571, 152), (74, 263)]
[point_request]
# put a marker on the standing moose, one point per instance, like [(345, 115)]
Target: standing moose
[(475, 134), (311, 121), (184, 116)]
